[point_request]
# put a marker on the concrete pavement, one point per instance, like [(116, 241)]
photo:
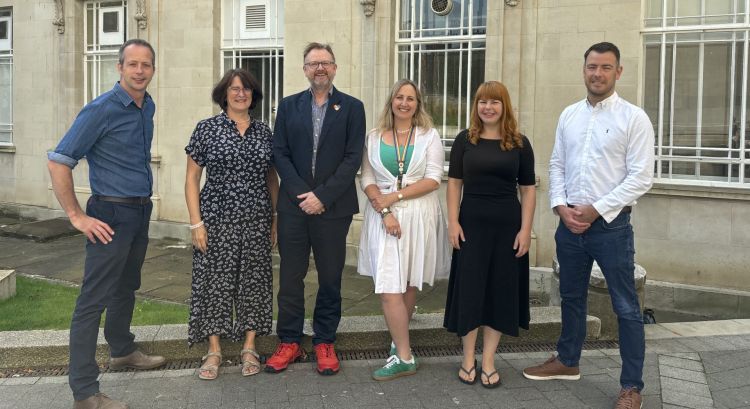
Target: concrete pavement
[(686, 367)]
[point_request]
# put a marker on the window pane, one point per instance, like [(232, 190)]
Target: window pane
[(717, 87), (5, 90), (110, 22), (685, 94), (3, 30)]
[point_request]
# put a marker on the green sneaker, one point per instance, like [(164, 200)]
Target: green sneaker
[(395, 368), (393, 351)]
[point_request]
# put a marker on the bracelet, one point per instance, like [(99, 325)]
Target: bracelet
[(196, 225), (385, 212)]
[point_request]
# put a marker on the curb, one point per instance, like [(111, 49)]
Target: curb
[(50, 348)]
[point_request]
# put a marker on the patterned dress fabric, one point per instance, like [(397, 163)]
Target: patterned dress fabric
[(232, 282)]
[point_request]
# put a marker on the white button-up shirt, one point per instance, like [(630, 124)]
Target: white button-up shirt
[(603, 156)]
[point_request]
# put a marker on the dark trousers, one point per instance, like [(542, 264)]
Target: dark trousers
[(327, 238), (111, 276), (611, 245)]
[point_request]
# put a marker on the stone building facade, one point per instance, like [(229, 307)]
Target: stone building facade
[(685, 62)]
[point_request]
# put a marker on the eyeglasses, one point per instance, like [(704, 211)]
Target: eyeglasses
[(315, 64), (237, 90)]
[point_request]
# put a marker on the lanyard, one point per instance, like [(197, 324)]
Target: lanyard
[(401, 157)]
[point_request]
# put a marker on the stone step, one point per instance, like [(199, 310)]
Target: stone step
[(50, 348)]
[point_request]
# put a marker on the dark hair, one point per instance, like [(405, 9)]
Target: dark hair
[(317, 46), (219, 94), (601, 48), (135, 41)]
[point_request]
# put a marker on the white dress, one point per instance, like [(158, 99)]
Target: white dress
[(423, 252)]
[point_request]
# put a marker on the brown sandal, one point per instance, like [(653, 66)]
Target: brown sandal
[(212, 369), (250, 367)]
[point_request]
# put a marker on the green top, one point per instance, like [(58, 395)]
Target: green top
[(388, 157)]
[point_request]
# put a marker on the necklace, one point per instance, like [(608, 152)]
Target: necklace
[(241, 122), (403, 131), (401, 156)]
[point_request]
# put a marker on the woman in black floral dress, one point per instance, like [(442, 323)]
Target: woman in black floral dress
[(232, 223)]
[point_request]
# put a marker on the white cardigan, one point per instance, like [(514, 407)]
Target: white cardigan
[(423, 252)]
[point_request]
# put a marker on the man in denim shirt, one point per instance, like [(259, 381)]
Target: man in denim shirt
[(114, 133)]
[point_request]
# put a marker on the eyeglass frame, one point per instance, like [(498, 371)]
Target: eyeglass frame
[(237, 90), (313, 65)]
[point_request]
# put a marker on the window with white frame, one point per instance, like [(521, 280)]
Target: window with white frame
[(440, 46), (253, 39), (6, 76), (696, 89), (104, 33)]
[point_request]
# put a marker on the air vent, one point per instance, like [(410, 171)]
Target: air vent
[(441, 7), (255, 17)]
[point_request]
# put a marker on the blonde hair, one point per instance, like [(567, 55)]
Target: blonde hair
[(421, 118), (510, 135)]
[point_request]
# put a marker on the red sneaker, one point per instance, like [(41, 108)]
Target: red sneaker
[(286, 353), (328, 362)]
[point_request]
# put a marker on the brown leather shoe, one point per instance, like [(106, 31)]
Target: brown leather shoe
[(99, 401), (552, 369), (629, 398), (136, 360)]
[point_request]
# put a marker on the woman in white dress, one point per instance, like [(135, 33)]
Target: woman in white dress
[(404, 240)]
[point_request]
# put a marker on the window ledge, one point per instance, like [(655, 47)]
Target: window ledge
[(710, 192), (7, 149)]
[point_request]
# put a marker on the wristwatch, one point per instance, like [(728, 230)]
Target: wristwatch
[(385, 212), (400, 196)]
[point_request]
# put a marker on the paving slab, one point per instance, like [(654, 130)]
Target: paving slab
[(40, 231)]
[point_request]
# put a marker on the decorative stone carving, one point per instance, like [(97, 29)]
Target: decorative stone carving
[(511, 3), (140, 14), (59, 20), (368, 6)]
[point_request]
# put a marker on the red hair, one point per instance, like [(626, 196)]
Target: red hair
[(509, 133)]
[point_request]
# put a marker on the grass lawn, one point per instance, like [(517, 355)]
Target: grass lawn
[(40, 304)]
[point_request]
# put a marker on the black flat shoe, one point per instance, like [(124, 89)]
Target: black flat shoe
[(489, 385), (468, 373)]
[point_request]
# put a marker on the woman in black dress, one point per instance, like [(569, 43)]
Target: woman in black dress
[(233, 224), (491, 162)]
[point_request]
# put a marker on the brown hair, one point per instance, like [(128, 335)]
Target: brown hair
[(509, 133), (421, 117), (219, 93)]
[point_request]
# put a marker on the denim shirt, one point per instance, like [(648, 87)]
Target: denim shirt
[(115, 137)]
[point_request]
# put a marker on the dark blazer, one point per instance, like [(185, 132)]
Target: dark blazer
[(340, 146)]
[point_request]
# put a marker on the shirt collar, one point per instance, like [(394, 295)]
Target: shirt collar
[(125, 98), (330, 92), (605, 103)]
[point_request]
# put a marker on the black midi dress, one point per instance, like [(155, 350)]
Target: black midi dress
[(488, 285), (232, 282)]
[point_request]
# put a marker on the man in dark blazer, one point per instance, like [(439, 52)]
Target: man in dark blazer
[(318, 141)]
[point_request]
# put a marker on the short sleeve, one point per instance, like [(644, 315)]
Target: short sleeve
[(196, 148), (456, 165), (526, 175)]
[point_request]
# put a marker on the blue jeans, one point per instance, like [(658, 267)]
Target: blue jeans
[(112, 274), (611, 245)]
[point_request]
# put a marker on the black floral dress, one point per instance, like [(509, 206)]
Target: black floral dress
[(233, 279)]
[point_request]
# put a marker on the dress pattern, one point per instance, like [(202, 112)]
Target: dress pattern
[(488, 285), (232, 282)]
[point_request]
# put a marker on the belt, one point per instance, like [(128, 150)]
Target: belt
[(124, 200)]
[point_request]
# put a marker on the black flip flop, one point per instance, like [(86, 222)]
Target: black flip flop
[(489, 385), (468, 373)]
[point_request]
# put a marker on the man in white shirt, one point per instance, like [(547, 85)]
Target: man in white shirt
[(602, 162)]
